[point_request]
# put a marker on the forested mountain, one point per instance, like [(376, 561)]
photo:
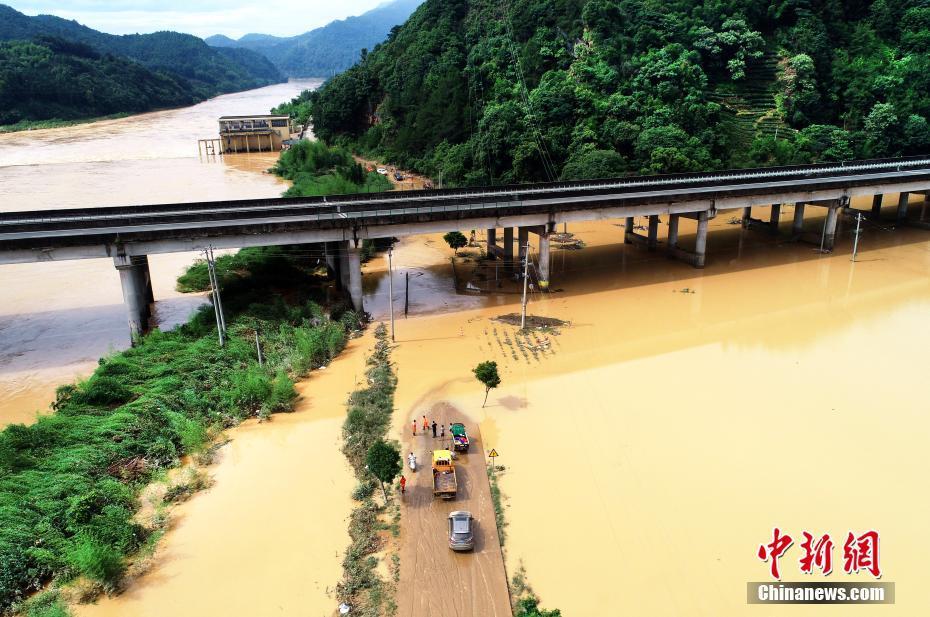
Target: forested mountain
[(53, 78), (327, 50), (496, 91), (201, 69)]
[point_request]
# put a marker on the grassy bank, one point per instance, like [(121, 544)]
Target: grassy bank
[(367, 421), (70, 483)]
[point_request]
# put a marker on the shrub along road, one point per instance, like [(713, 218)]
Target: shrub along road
[(434, 580)]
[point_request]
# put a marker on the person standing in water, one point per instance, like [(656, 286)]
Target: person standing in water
[(434, 429), (425, 424), (442, 431), (403, 485), (414, 427)]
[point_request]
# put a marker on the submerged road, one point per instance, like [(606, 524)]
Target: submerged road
[(434, 580)]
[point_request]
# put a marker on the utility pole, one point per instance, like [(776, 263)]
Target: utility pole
[(219, 295), (258, 348), (391, 289), (406, 292), (856, 239), (440, 178), (526, 267), (217, 309)]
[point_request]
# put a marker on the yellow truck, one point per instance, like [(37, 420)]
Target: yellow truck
[(444, 482)]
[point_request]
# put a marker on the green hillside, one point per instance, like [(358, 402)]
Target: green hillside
[(56, 79), (492, 91)]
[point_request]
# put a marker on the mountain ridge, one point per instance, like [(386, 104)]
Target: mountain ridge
[(328, 49)]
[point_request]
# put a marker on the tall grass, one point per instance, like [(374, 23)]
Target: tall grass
[(69, 483), (367, 421)]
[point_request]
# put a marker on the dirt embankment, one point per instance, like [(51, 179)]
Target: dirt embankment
[(435, 580), (408, 182)]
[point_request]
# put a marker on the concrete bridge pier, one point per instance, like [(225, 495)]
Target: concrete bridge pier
[(331, 252), (747, 216), (673, 231), (829, 230), (700, 242), (354, 267), (628, 230), (523, 236), (902, 207), (137, 292), (653, 239), (797, 226), (508, 246), (775, 217), (543, 266), (493, 251), (877, 206)]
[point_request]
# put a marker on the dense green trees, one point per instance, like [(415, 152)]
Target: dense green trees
[(317, 169), (492, 92), (53, 78)]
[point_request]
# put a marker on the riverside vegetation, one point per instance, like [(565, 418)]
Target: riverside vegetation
[(69, 484), (531, 90), (365, 427)]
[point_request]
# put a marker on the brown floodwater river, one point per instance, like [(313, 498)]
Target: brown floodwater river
[(650, 446), (57, 319)]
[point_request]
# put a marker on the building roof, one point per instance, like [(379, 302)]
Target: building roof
[(253, 117)]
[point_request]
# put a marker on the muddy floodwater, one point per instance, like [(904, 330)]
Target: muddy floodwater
[(57, 319), (651, 446)]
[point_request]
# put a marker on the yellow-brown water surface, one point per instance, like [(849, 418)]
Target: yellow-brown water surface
[(651, 447), (57, 319)]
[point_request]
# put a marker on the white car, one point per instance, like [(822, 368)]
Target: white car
[(382, 171)]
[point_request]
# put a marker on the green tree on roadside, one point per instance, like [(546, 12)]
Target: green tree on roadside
[(384, 462), (486, 373), (455, 240)]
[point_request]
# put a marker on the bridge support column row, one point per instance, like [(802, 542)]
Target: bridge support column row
[(827, 235), (651, 240), (698, 257), (770, 226), (508, 245), (136, 282)]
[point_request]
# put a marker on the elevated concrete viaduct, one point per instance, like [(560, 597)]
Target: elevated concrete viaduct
[(339, 223)]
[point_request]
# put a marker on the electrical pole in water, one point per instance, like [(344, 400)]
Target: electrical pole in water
[(406, 292), (526, 267), (391, 289), (856, 239)]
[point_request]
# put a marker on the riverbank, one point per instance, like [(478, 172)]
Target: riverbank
[(35, 125), (52, 331), (72, 480)]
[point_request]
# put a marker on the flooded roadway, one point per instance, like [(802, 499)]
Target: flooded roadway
[(57, 319), (649, 448), (652, 446)]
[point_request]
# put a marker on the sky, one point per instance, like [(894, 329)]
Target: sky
[(199, 17)]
